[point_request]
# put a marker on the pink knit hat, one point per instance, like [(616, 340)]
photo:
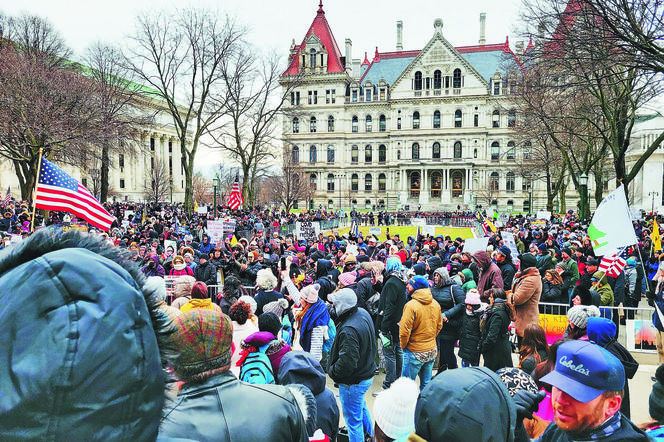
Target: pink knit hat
[(346, 279), (310, 293)]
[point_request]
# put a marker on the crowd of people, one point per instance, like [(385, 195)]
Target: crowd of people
[(241, 345)]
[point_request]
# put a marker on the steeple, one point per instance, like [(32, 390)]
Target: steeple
[(320, 7)]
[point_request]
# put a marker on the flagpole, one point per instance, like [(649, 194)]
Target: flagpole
[(34, 197)]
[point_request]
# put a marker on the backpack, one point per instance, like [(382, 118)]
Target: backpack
[(257, 368), (331, 333)]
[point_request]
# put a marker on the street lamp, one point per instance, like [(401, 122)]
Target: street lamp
[(583, 183), (653, 195), (215, 182)]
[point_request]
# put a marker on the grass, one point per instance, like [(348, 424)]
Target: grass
[(406, 231)]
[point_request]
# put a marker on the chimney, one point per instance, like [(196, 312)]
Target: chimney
[(356, 68), (482, 28), (349, 56), (399, 35)]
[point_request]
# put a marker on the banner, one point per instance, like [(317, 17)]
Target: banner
[(543, 214), (307, 230), (611, 227), (215, 230), (554, 326)]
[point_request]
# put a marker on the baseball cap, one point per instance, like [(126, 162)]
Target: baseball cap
[(585, 370)]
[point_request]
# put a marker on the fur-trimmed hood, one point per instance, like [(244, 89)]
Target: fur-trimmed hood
[(86, 342)]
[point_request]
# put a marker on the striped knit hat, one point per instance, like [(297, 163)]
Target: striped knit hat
[(203, 340)]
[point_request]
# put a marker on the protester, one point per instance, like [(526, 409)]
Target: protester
[(266, 282), (312, 321), (182, 291), (390, 309), (489, 276), (534, 348), (451, 299), (577, 319), (494, 345), (470, 335), (394, 411), (243, 325), (199, 298)]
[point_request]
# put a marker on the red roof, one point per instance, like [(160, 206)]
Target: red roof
[(321, 29)]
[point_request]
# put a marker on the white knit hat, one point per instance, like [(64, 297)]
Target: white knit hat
[(394, 408), (579, 314)]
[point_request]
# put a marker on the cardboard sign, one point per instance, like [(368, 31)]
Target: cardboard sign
[(429, 230), (308, 230), (418, 222), (504, 217), (375, 231), (472, 245)]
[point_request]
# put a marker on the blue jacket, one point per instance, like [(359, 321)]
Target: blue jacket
[(85, 360)]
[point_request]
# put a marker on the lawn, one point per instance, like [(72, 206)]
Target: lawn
[(406, 231)]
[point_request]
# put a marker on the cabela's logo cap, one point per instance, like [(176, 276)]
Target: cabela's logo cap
[(585, 370)]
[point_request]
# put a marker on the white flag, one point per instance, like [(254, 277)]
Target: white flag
[(611, 227)]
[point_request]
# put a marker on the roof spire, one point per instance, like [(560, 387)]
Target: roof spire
[(366, 60), (506, 46), (320, 7)]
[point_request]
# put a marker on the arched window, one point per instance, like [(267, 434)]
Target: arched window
[(330, 182), (330, 123), (457, 184), (493, 181), (458, 118), (312, 181), (436, 150), (354, 154), (527, 150), (296, 154), (495, 151), (367, 204), (382, 154), (509, 182), (330, 154), (437, 79), (458, 153), (510, 205), (416, 151), (354, 204), (415, 185), (418, 81), (312, 154), (353, 183), (367, 153), (312, 58), (312, 124), (511, 118), (436, 184), (511, 150), (381, 204), (354, 124), (495, 118), (436, 119), (367, 126), (416, 120), (367, 182), (456, 79), (330, 204), (382, 124), (296, 125), (382, 182)]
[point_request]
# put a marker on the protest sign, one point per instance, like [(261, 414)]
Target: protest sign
[(215, 230), (429, 230), (202, 210), (170, 243), (308, 230), (374, 231), (543, 214), (419, 222), (508, 240), (472, 245), (554, 326)]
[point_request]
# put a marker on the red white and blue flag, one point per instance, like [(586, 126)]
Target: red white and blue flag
[(8, 196), (56, 190), (235, 200), (612, 265)]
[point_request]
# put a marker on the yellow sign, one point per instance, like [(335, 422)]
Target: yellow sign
[(656, 239)]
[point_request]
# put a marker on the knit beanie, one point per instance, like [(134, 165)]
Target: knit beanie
[(277, 307), (420, 268), (347, 278), (578, 315), (310, 293), (473, 297), (203, 340), (269, 322), (394, 408), (505, 251), (251, 301), (419, 282), (528, 260), (656, 402), (516, 380), (349, 259)]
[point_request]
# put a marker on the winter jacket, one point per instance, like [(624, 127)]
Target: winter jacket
[(470, 336), (451, 299), (82, 356), (207, 273), (264, 297), (602, 331), (526, 292), (490, 276), (299, 367), (469, 283), (181, 272), (392, 300), (363, 289), (604, 289), (628, 432), (248, 275), (570, 274), (544, 263), (421, 322), (223, 409), (471, 404), (351, 358), (507, 272), (277, 349), (495, 345), (154, 268), (552, 293), (199, 303)]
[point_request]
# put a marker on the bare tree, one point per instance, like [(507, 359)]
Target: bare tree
[(180, 57), (202, 189), (291, 186), (157, 181)]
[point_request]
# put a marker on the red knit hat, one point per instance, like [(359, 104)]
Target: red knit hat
[(199, 290)]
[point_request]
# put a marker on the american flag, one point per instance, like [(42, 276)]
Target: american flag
[(58, 191), (8, 196), (612, 265), (354, 229), (235, 200)]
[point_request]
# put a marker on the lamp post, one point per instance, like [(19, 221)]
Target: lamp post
[(215, 182), (583, 183), (652, 205)]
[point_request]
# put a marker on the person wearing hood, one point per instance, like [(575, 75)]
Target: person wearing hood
[(506, 266), (268, 334), (419, 325), (87, 349), (494, 325), (299, 367), (390, 308), (470, 404), (490, 276), (601, 285), (351, 362), (325, 278), (153, 268), (468, 281), (433, 264), (470, 334), (205, 246), (451, 299), (526, 292), (266, 282), (180, 268), (602, 332)]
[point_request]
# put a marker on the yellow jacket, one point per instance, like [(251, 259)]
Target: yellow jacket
[(199, 303), (420, 323)]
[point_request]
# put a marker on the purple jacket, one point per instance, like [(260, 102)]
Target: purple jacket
[(275, 352)]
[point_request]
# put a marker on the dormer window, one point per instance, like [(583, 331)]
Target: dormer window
[(312, 58)]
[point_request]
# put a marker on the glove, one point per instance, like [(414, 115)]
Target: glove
[(527, 403)]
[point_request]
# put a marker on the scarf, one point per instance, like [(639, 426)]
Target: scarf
[(315, 316)]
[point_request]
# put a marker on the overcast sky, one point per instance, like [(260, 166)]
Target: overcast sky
[(274, 24)]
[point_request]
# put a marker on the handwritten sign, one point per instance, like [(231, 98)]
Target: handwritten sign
[(308, 230), (215, 230), (429, 230)]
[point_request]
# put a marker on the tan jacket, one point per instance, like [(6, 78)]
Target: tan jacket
[(526, 293), (420, 323)]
